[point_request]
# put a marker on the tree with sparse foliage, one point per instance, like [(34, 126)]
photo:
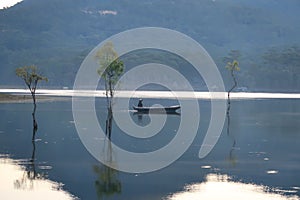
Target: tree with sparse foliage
[(232, 67), (111, 68), (31, 78)]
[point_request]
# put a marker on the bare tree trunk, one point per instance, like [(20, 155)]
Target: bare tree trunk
[(109, 98), (35, 125), (106, 93), (234, 85), (231, 89), (109, 121)]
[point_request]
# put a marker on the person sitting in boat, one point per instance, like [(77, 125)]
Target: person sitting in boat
[(140, 104)]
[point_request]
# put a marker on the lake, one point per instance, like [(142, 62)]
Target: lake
[(256, 157)]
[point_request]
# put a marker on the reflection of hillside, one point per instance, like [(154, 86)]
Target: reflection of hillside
[(17, 184)]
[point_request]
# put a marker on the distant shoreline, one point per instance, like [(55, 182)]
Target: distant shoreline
[(22, 95), (17, 98)]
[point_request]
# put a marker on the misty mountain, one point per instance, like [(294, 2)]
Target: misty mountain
[(57, 35)]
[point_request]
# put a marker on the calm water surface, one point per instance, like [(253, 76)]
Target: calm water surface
[(257, 155)]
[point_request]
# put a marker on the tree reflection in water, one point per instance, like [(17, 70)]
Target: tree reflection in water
[(232, 157), (18, 182), (107, 183), (30, 173)]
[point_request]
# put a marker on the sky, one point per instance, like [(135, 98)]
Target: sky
[(8, 3)]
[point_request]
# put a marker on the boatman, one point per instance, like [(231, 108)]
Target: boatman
[(140, 104)]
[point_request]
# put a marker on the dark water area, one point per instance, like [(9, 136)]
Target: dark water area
[(260, 147)]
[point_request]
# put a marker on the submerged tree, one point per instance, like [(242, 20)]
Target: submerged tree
[(111, 68), (232, 66), (31, 78)]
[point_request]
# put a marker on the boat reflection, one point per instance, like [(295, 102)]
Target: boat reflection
[(156, 113), (222, 187), (16, 183)]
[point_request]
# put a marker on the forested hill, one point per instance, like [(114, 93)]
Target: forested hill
[(56, 35)]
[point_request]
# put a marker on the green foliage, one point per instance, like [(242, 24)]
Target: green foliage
[(233, 66), (231, 60), (106, 55), (111, 67), (30, 76)]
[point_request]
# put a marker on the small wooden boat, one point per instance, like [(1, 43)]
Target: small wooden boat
[(170, 109)]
